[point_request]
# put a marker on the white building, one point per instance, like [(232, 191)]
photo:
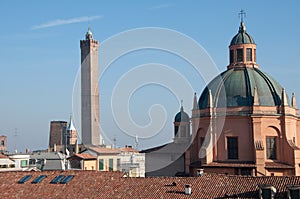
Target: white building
[(125, 159), (21, 161), (5, 162), (131, 161)]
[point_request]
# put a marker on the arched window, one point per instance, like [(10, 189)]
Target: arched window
[(271, 147)]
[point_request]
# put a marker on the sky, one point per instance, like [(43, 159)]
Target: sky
[(40, 61)]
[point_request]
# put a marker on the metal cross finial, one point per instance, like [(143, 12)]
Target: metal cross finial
[(181, 102), (242, 14)]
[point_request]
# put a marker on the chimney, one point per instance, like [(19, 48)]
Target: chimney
[(200, 172), (188, 189)]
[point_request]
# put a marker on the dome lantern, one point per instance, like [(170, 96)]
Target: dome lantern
[(242, 49)]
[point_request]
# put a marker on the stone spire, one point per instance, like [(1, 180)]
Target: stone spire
[(195, 103), (294, 103), (284, 101), (210, 99), (255, 97), (71, 125)]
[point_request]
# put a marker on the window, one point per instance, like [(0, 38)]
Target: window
[(2, 143), (101, 165), (38, 179), (182, 131), (293, 191), (24, 163), (24, 179), (249, 54), (231, 56), (266, 191), (111, 164), (119, 162), (271, 148), (236, 171), (32, 161), (67, 179), (239, 53), (246, 172), (57, 179), (201, 141), (232, 147)]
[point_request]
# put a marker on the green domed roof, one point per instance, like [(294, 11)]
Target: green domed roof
[(242, 37), (182, 116), (235, 87)]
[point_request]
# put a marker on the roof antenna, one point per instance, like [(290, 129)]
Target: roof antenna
[(136, 141), (16, 134), (115, 141)]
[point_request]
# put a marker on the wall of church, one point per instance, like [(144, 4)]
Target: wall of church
[(236, 126)]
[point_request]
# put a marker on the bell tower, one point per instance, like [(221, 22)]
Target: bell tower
[(90, 116)]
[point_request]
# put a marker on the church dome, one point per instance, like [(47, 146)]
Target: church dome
[(242, 37), (182, 116), (235, 87)]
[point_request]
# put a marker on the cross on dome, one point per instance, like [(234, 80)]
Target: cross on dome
[(242, 14)]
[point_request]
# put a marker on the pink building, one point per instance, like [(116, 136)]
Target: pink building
[(243, 122)]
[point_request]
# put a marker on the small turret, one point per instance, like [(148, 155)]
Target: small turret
[(294, 103), (89, 34), (195, 103), (284, 101)]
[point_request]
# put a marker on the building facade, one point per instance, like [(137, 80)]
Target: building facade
[(126, 159), (170, 159), (90, 116), (83, 162), (243, 122)]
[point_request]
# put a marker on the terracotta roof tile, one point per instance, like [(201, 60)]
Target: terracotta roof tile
[(96, 184), (3, 156), (86, 156), (128, 149), (278, 165), (103, 150), (230, 164)]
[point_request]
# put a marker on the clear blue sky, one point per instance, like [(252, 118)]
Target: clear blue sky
[(40, 56)]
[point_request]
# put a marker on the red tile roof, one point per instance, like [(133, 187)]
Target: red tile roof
[(230, 164), (103, 150), (85, 156), (97, 184), (128, 149), (3, 156), (278, 165)]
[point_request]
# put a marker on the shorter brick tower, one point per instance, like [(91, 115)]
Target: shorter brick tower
[(57, 133)]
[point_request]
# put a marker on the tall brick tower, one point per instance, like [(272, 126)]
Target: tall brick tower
[(90, 117)]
